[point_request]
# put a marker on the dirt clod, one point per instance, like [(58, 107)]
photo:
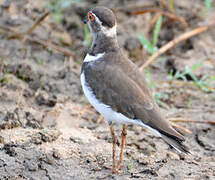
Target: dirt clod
[(9, 120), (45, 136), (46, 99)]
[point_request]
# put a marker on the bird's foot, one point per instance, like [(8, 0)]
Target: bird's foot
[(116, 171), (120, 166)]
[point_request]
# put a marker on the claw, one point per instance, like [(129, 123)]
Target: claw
[(116, 171)]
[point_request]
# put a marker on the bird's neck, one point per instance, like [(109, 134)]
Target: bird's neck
[(102, 43)]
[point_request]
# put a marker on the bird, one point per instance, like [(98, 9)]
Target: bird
[(117, 89)]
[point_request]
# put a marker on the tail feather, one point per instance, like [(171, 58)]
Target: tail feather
[(175, 143)]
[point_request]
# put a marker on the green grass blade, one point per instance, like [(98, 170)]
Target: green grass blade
[(171, 5), (148, 74), (208, 5), (158, 97), (212, 78), (146, 44), (196, 66), (157, 30), (87, 35), (67, 3)]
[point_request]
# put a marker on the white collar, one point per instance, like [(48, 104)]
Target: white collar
[(90, 58)]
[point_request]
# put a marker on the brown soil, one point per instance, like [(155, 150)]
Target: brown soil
[(47, 128)]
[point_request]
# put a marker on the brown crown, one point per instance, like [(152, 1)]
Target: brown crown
[(105, 15)]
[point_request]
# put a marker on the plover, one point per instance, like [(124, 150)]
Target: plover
[(117, 89)]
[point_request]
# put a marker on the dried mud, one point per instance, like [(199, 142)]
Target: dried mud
[(49, 131)]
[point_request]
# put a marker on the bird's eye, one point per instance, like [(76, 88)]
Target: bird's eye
[(90, 16)]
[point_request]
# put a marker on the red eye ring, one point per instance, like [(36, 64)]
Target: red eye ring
[(91, 16)]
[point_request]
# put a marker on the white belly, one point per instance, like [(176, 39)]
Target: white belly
[(106, 111)]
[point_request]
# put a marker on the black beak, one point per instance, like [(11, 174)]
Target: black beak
[(85, 21)]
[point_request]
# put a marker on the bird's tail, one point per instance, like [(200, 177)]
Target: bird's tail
[(175, 143)]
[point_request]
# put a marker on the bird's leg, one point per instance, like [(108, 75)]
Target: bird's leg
[(114, 170), (124, 133)]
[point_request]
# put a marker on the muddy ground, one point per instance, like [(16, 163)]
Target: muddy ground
[(48, 130)]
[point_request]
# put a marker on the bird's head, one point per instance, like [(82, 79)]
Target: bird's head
[(101, 20)]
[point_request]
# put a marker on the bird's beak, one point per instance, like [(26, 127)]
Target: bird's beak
[(85, 21)]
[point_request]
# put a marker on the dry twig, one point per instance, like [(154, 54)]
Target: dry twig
[(168, 14), (38, 21), (131, 7), (182, 128), (51, 45), (165, 4), (31, 29), (154, 19), (172, 43), (184, 84), (190, 121), (42, 42)]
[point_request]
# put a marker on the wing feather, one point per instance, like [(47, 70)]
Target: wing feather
[(126, 92)]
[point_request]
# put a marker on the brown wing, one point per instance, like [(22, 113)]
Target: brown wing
[(117, 89)]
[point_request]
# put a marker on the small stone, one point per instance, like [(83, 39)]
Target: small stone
[(76, 140), (56, 154), (49, 159), (142, 162), (173, 155), (32, 165)]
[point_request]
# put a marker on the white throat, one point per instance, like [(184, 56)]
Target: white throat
[(109, 32)]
